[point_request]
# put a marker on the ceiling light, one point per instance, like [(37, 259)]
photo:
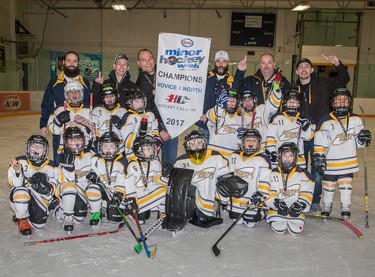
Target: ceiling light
[(301, 6), (118, 7)]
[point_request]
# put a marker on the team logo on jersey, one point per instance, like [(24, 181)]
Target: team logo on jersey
[(343, 137), (228, 129), (245, 172), (292, 190), (289, 135), (205, 173), (151, 177)]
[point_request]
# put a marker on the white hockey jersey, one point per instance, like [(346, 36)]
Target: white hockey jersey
[(205, 178), (339, 142), (144, 181), (256, 170), (101, 117)]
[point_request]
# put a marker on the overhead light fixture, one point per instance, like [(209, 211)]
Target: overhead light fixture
[(118, 6), (301, 6)]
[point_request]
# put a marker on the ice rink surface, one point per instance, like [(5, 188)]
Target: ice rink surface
[(323, 249)]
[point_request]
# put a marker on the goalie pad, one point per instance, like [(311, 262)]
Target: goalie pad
[(179, 199), (84, 122), (230, 185)]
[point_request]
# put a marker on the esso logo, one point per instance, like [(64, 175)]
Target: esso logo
[(12, 102), (187, 42)]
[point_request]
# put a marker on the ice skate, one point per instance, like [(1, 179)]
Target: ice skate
[(326, 211), (24, 227), (345, 211), (95, 219), (315, 208), (68, 223)]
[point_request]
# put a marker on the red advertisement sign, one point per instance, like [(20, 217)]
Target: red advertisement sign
[(14, 101)]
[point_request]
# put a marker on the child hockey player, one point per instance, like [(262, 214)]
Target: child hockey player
[(131, 122), (74, 166), (255, 168), (109, 110), (107, 186), (64, 117), (289, 125), (33, 181), (339, 134), (144, 179), (208, 165), (223, 122), (291, 192)]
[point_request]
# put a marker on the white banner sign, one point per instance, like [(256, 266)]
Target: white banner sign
[(181, 80)]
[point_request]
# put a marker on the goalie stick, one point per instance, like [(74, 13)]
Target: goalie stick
[(153, 227), (119, 229), (365, 171), (338, 219)]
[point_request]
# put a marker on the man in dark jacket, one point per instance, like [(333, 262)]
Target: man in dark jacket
[(54, 94), (316, 92), (261, 82), (119, 77), (218, 79), (146, 83)]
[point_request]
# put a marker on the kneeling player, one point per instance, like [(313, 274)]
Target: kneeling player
[(107, 186), (144, 177), (33, 181), (291, 192), (255, 168), (74, 166)]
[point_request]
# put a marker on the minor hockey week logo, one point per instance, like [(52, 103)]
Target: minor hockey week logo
[(12, 103)]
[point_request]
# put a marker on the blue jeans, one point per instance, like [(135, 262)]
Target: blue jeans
[(317, 177), (169, 149), (205, 133)]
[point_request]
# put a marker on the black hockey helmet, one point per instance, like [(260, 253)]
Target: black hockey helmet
[(195, 145), (133, 95), (249, 95), (250, 133), (341, 110), (232, 94), (292, 93), (140, 149), (37, 148), (74, 140), (287, 166), (105, 152), (108, 89)]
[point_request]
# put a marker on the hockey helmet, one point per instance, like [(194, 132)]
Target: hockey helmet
[(37, 149), (288, 156), (107, 90), (292, 108), (195, 145), (249, 101), (248, 146), (341, 105), (74, 140), (138, 97), (109, 145), (233, 101), (73, 93), (146, 148)]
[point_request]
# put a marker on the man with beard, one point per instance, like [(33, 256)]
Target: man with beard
[(316, 92), (119, 77), (54, 94), (261, 82), (218, 79), (146, 83)]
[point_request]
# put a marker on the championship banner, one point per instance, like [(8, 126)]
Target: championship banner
[(181, 80)]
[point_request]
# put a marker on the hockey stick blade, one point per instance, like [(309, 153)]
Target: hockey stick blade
[(119, 229), (338, 219), (215, 250), (138, 247)]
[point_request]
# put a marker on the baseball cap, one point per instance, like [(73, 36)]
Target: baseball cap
[(304, 60), (121, 56), (221, 55)]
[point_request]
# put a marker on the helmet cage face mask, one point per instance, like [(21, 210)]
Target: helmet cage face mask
[(249, 101), (70, 91), (287, 157), (250, 149), (74, 140), (105, 98), (135, 96), (147, 150), (341, 102), (287, 104), (233, 102), (36, 150), (108, 150)]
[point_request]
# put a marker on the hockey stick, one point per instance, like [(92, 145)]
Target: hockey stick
[(119, 229), (85, 122), (153, 227), (365, 171), (215, 250), (152, 253), (138, 247), (252, 206), (338, 219)]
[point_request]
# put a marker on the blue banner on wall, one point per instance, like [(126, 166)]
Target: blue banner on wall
[(89, 64)]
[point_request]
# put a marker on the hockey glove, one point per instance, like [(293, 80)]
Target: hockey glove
[(166, 170), (230, 185), (222, 100), (303, 122), (257, 198), (62, 118), (320, 162), (67, 161), (282, 208), (364, 136), (130, 205), (93, 177), (296, 209), (278, 77), (240, 132), (39, 183), (272, 155), (116, 120), (116, 200)]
